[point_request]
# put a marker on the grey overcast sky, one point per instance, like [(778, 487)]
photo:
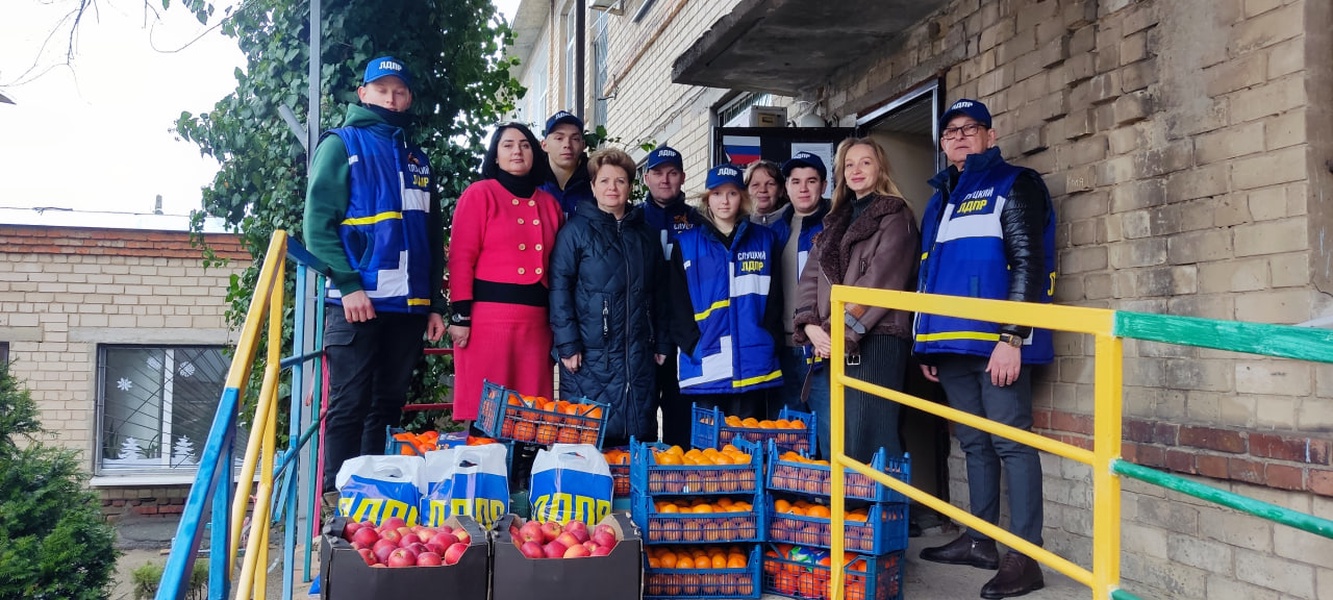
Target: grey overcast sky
[(96, 135)]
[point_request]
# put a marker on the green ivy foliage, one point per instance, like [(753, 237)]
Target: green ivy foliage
[(56, 543), (461, 86)]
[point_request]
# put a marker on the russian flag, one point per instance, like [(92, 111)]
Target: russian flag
[(741, 150)]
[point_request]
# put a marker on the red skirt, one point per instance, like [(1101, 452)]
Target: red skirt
[(510, 345)]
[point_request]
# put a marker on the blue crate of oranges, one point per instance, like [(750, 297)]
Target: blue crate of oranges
[(658, 469), (792, 430), (803, 572), (873, 529), (508, 415), (617, 459), (680, 572), (795, 472), (710, 520)]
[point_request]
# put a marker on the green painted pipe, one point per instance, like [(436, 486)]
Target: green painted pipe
[(1258, 508), (1122, 595)]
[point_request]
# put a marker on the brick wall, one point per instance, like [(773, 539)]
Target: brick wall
[(1187, 156), (65, 290)]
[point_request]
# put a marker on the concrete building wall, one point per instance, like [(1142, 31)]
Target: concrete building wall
[(1185, 145), (64, 291)]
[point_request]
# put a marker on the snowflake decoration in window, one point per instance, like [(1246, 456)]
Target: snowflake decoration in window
[(154, 362), (124, 384), (187, 369)]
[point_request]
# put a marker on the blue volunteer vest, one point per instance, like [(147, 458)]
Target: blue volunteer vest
[(729, 290), (962, 254), (385, 230)]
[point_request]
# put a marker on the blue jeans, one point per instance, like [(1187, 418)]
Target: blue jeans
[(871, 422), (794, 369), (969, 388)]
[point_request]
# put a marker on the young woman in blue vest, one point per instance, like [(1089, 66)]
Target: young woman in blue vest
[(605, 303), (870, 239), (726, 309)]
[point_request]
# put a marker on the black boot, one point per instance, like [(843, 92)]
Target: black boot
[(965, 551), (1018, 575)]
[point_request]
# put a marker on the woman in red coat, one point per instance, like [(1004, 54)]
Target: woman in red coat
[(503, 231)]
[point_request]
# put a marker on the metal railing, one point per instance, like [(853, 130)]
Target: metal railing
[(1109, 328)]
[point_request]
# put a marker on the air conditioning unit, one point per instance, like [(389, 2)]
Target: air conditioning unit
[(760, 116), (614, 7)]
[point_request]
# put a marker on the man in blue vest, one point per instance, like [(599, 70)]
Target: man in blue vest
[(988, 232), (666, 212), (372, 215), (564, 146)]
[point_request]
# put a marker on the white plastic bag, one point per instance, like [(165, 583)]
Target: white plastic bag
[(571, 482), (376, 488), (465, 480)]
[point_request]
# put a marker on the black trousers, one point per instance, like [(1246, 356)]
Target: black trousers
[(676, 414), (370, 369)]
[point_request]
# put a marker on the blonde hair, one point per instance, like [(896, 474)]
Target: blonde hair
[(613, 157), (884, 184), (742, 213)]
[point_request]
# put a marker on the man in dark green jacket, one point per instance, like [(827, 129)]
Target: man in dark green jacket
[(372, 215)]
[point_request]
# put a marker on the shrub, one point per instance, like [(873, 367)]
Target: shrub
[(58, 544)]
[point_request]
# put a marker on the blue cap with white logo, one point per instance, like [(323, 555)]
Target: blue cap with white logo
[(561, 118), (722, 175), (385, 66), (968, 107), (664, 155), (804, 159)]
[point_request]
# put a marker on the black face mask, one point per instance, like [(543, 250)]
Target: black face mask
[(397, 119)]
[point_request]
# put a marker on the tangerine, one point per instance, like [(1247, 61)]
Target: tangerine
[(525, 431)]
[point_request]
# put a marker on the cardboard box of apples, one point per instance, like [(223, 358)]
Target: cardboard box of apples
[(570, 562), (362, 561)]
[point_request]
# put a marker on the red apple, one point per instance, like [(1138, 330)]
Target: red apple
[(532, 532), (445, 529), (579, 530), (442, 538), (428, 559), (393, 523), (601, 551), (424, 533), (417, 548), (576, 551), (379, 565), (568, 540), (550, 531), (554, 549), (400, 558), (365, 536), (604, 528), (454, 553), (436, 548), (463, 535), (383, 549), (408, 540), (351, 528), (590, 545), (532, 550), (604, 539), (391, 534), (368, 556), (404, 530)]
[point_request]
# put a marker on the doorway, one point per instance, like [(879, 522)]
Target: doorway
[(905, 127)]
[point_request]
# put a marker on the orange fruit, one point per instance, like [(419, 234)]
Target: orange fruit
[(732, 421), (703, 508), (719, 561), (668, 559), (736, 561), (667, 458), (703, 562), (818, 511), (654, 563), (765, 424), (525, 431), (750, 422), (797, 424), (668, 508), (781, 505)]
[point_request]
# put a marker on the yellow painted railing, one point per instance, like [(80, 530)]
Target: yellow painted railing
[(1108, 328), (1106, 487)]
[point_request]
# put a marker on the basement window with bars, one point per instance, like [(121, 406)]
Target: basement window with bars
[(155, 406)]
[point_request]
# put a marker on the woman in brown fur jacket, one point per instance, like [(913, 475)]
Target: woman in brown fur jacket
[(870, 239)]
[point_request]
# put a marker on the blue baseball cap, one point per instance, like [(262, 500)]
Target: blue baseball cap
[(663, 155), (968, 107), (561, 118), (385, 66), (804, 159), (723, 174)]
